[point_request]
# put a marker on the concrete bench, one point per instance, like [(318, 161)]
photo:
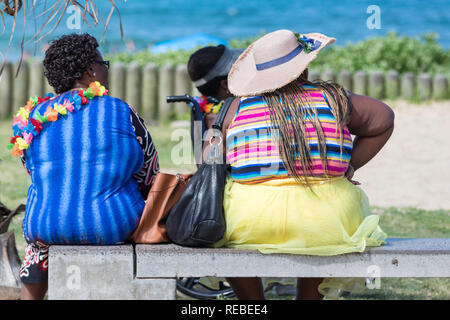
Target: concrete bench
[(149, 271)]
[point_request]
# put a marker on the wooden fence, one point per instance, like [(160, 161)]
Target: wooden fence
[(146, 88)]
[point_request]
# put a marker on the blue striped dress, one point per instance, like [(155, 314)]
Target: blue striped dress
[(81, 168)]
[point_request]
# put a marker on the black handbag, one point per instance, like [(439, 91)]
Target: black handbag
[(198, 219)]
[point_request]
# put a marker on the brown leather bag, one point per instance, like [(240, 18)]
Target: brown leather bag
[(164, 194)]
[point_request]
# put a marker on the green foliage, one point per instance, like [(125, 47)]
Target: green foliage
[(391, 52), (145, 56)]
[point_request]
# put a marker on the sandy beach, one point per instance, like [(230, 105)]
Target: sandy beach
[(412, 168)]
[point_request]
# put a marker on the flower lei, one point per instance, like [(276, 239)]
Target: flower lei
[(26, 129), (207, 106)]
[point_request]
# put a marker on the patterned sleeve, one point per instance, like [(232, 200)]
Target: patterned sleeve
[(147, 174), (24, 163)]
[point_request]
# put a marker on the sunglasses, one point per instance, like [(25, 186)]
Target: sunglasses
[(106, 63)]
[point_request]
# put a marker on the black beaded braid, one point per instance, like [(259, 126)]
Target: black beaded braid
[(67, 59)]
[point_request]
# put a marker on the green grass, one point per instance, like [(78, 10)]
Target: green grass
[(396, 222), (14, 179), (411, 223), (168, 141)]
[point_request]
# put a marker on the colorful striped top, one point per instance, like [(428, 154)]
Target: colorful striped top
[(253, 153)]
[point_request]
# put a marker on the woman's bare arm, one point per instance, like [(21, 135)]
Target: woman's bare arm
[(372, 122)]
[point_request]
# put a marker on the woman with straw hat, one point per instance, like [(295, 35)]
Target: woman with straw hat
[(292, 158)]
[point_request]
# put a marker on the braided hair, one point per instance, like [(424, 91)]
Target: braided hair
[(290, 109)]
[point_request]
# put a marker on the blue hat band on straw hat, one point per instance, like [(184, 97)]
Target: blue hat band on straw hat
[(291, 55)]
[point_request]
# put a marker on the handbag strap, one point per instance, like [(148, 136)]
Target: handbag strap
[(215, 155), (222, 114)]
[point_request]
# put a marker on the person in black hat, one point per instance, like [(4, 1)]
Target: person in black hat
[(208, 68)]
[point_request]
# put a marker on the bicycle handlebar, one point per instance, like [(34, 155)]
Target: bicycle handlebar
[(196, 112), (185, 98)]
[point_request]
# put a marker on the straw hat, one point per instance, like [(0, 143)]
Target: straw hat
[(273, 61)]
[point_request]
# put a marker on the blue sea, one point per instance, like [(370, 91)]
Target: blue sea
[(147, 22)]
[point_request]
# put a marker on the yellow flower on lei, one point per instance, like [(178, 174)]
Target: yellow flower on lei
[(216, 108), (23, 113), (23, 145), (60, 108)]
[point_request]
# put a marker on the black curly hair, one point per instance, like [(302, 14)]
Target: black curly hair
[(67, 59), (200, 63)]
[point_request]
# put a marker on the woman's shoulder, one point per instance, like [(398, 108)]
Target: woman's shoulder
[(117, 104), (114, 100)]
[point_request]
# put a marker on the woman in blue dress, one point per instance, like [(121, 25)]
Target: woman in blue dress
[(90, 158)]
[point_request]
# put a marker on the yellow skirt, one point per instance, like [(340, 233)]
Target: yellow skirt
[(283, 216)]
